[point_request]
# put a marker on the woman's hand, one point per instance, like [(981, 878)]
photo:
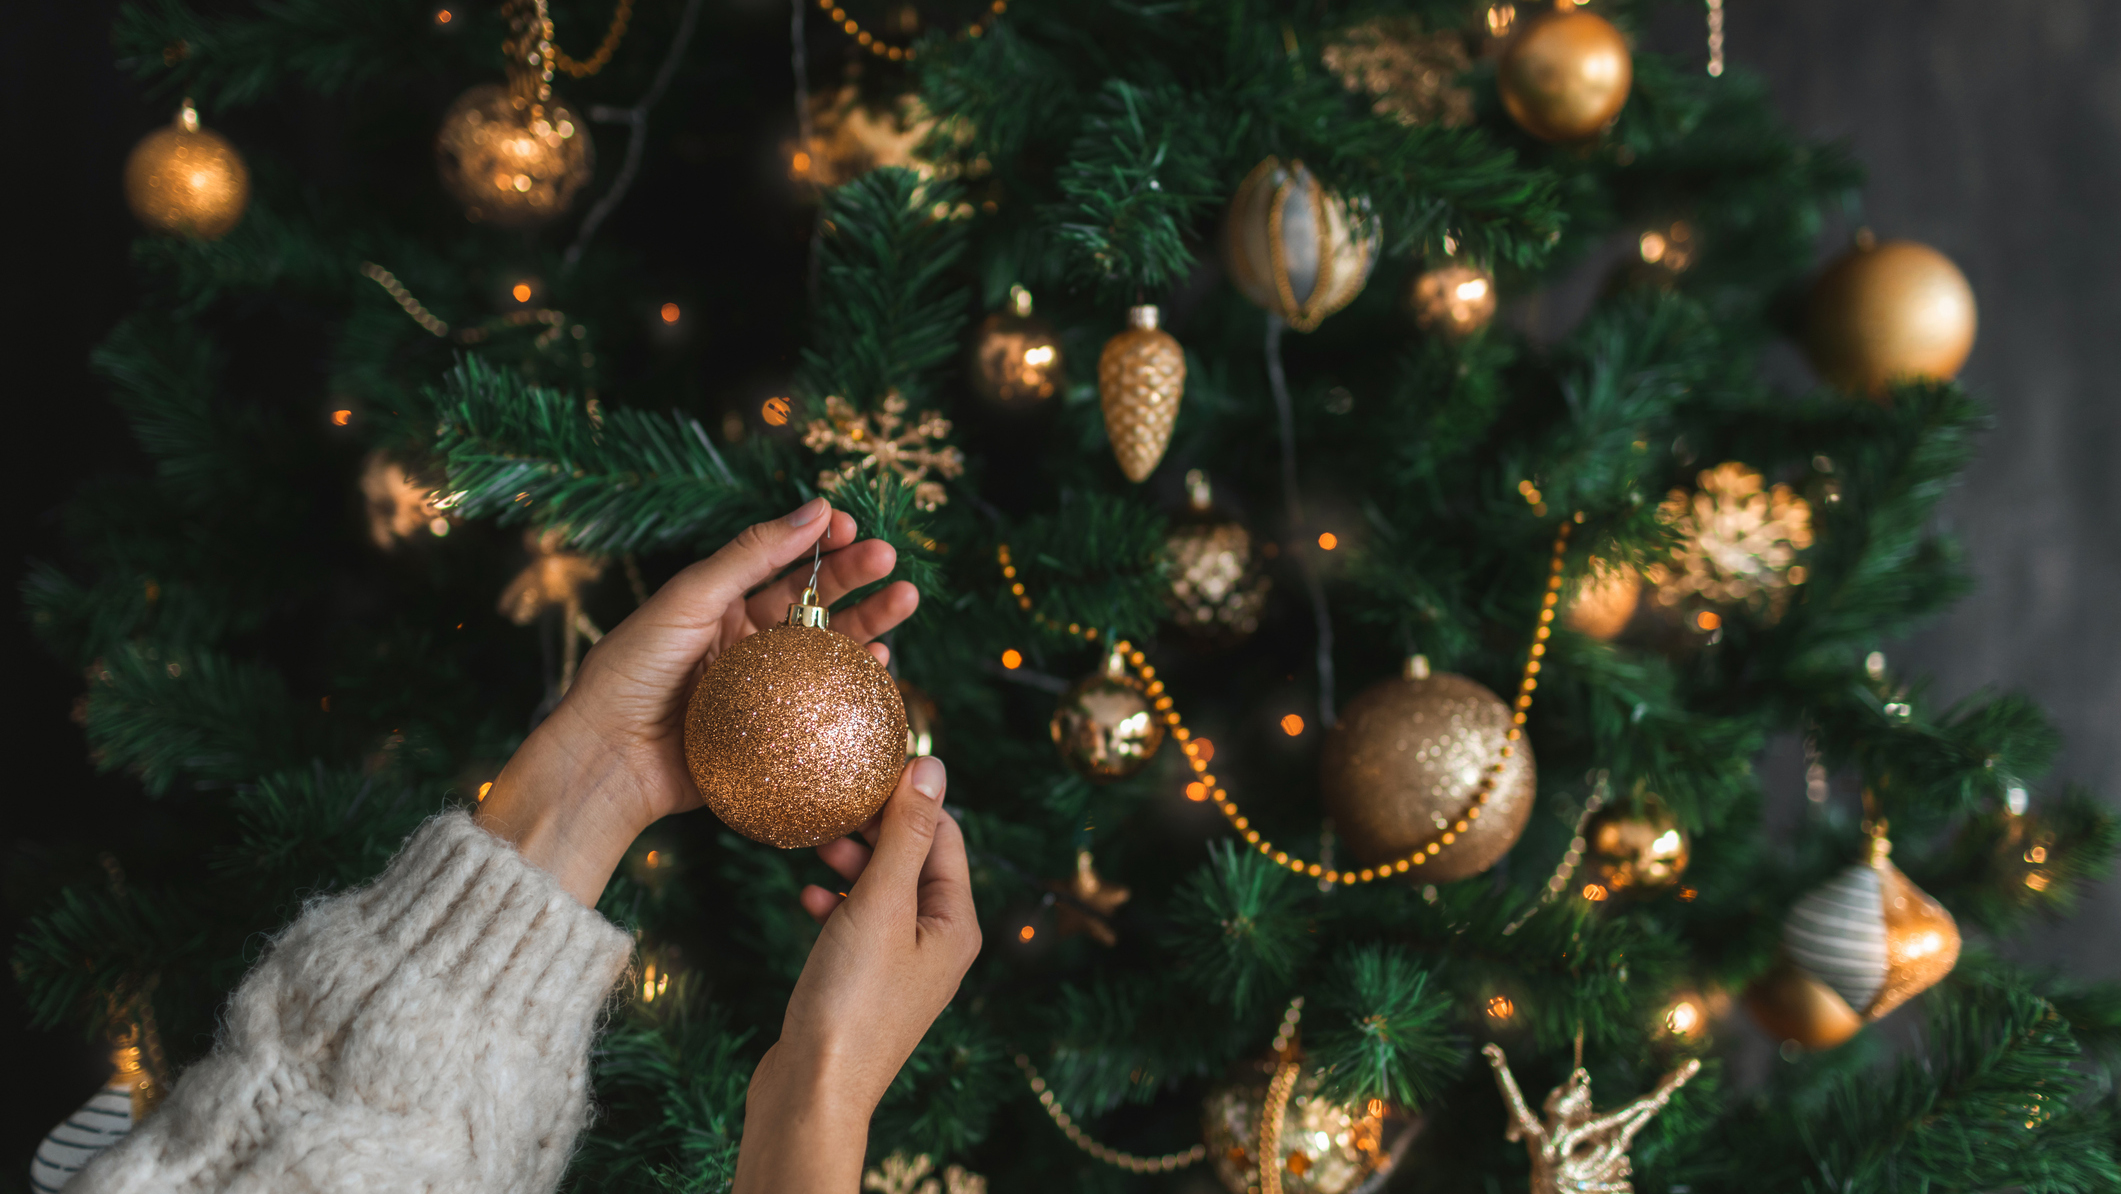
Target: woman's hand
[(610, 760), (888, 961)]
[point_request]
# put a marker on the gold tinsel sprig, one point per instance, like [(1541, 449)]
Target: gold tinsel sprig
[(1739, 541), (885, 438)]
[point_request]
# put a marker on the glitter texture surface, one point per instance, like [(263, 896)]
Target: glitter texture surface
[(1405, 763), (795, 736), (1325, 1148)]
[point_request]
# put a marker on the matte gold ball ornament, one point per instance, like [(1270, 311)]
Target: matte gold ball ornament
[(1641, 849), (1858, 946), (1016, 357), (1406, 762), (1566, 76), (1141, 377), (1324, 1147), (796, 735), (511, 160), (1898, 311), (1453, 300), (187, 180), (1106, 727), (1295, 248)]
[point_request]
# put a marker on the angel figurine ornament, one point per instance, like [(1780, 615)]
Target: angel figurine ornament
[(1575, 1150)]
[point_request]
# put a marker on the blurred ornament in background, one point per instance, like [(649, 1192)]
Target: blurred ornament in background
[(921, 720), (398, 507), (1016, 358), (1739, 543), (1574, 1149), (554, 578), (1565, 75), (1090, 903), (902, 1174), (1858, 946), (1885, 313), (884, 439), (1413, 77), (1295, 248), (1141, 378), (1452, 300), (1323, 1147), (108, 1117), (1603, 600), (1105, 726), (185, 180), (1215, 589), (850, 135), (510, 160), (1636, 849), (1405, 764), (796, 735)]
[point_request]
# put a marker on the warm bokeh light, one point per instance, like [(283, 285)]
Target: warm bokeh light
[(1682, 1018), (1328, 541), (2037, 881), (1202, 749), (1472, 291), (1039, 357), (799, 165), (485, 788), (654, 859), (1708, 619), (1026, 933), (1594, 892), (1500, 18), (1292, 725), (670, 312), (438, 526), (521, 291), (2036, 854), (340, 418), (1012, 659), (775, 412), (443, 16), (1653, 246), (1196, 791), (1500, 1008)]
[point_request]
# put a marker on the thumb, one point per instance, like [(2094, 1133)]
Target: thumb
[(906, 832)]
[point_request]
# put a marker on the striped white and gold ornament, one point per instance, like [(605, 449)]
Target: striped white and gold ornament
[(1295, 248), (1858, 946), (107, 1118)]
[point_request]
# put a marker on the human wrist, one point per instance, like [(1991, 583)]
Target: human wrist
[(567, 804), (804, 1127)]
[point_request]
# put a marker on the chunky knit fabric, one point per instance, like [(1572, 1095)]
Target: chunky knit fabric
[(428, 1032)]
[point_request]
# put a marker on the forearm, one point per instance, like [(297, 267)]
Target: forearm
[(802, 1135), (568, 804)]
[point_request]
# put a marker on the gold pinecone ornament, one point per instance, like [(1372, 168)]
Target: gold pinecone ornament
[(1295, 248), (1141, 376), (185, 180), (1215, 588)]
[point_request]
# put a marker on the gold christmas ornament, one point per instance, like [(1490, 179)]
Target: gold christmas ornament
[(1574, 1149), (1604, 600), (851, 135), (1295, 248), (1091, 903), (1636, 849), (1565, 76), (1323, 1147), (554, 578), (1216, 589), (1141, 377), (921, 720), (1413, 76), (185, 180), (1868, 939), (796, 735), (1016, 359), (1407, 760), (901, 1174), (1898, 311), (510, 160), (1452, 300), (883, 438), (1739, 542), (1105, 726), (398, 507)]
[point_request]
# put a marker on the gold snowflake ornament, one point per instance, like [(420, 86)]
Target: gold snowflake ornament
[(1739, 541), (884, 438), (901, 1174)]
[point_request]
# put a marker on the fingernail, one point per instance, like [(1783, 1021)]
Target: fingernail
[(929, 777), (808, 512)]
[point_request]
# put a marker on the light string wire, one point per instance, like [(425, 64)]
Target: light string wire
[(1293, 502), (637, 139)]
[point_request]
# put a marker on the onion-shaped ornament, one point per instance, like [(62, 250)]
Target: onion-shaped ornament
[(1106, 727), (1294, 247)]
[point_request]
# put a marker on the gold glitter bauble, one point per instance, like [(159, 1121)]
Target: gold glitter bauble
[(1215, 588), (1452, 300), (1604, 600), (1566, 76), (1016, 358), (1413, 75), (1294, 247), (796, 735), (1105, 727), (1405, 763), (510, 160), (187, 181), (1869, 938), (1635, 849), (1324, 1148), (1899, 311), (1739, 539), (1141, 376)]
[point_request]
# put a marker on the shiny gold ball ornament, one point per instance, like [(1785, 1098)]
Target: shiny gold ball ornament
[(1141, 376), (1295, 248), (185, 180), (1452, 300), (511, 160), (1106, 726), (796, 735), (1016, 357), (1323, 1147), (1566, 76), (1603, 601), (1858, 946), (1640, 849), (1898, 311), (1215, 588), (1406, 764)]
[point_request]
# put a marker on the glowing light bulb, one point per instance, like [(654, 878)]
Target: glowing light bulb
[(484, 789), (1040, 356), (1708, 619), (670, 312), (1328, 541), (1292, 725), (340, 418), (1026, 933), (521, 291), (1500, 1008), (1012, 659), (1473, 291)]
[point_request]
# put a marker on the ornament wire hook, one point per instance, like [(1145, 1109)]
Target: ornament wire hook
[(817, 561)]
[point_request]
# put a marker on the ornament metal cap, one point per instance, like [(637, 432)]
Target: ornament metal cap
[(1144, 317), (188, 116), (1416, 668), (807, 610)]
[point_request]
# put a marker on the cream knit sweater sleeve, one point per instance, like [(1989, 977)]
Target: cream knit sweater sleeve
[(427, 1032)]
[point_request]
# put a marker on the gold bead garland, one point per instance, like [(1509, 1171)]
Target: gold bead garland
[(1082, 1140), (598, 60), (876, 45), (1165, 707)]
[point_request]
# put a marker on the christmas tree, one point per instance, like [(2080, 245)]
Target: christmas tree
[(1341, 680)]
